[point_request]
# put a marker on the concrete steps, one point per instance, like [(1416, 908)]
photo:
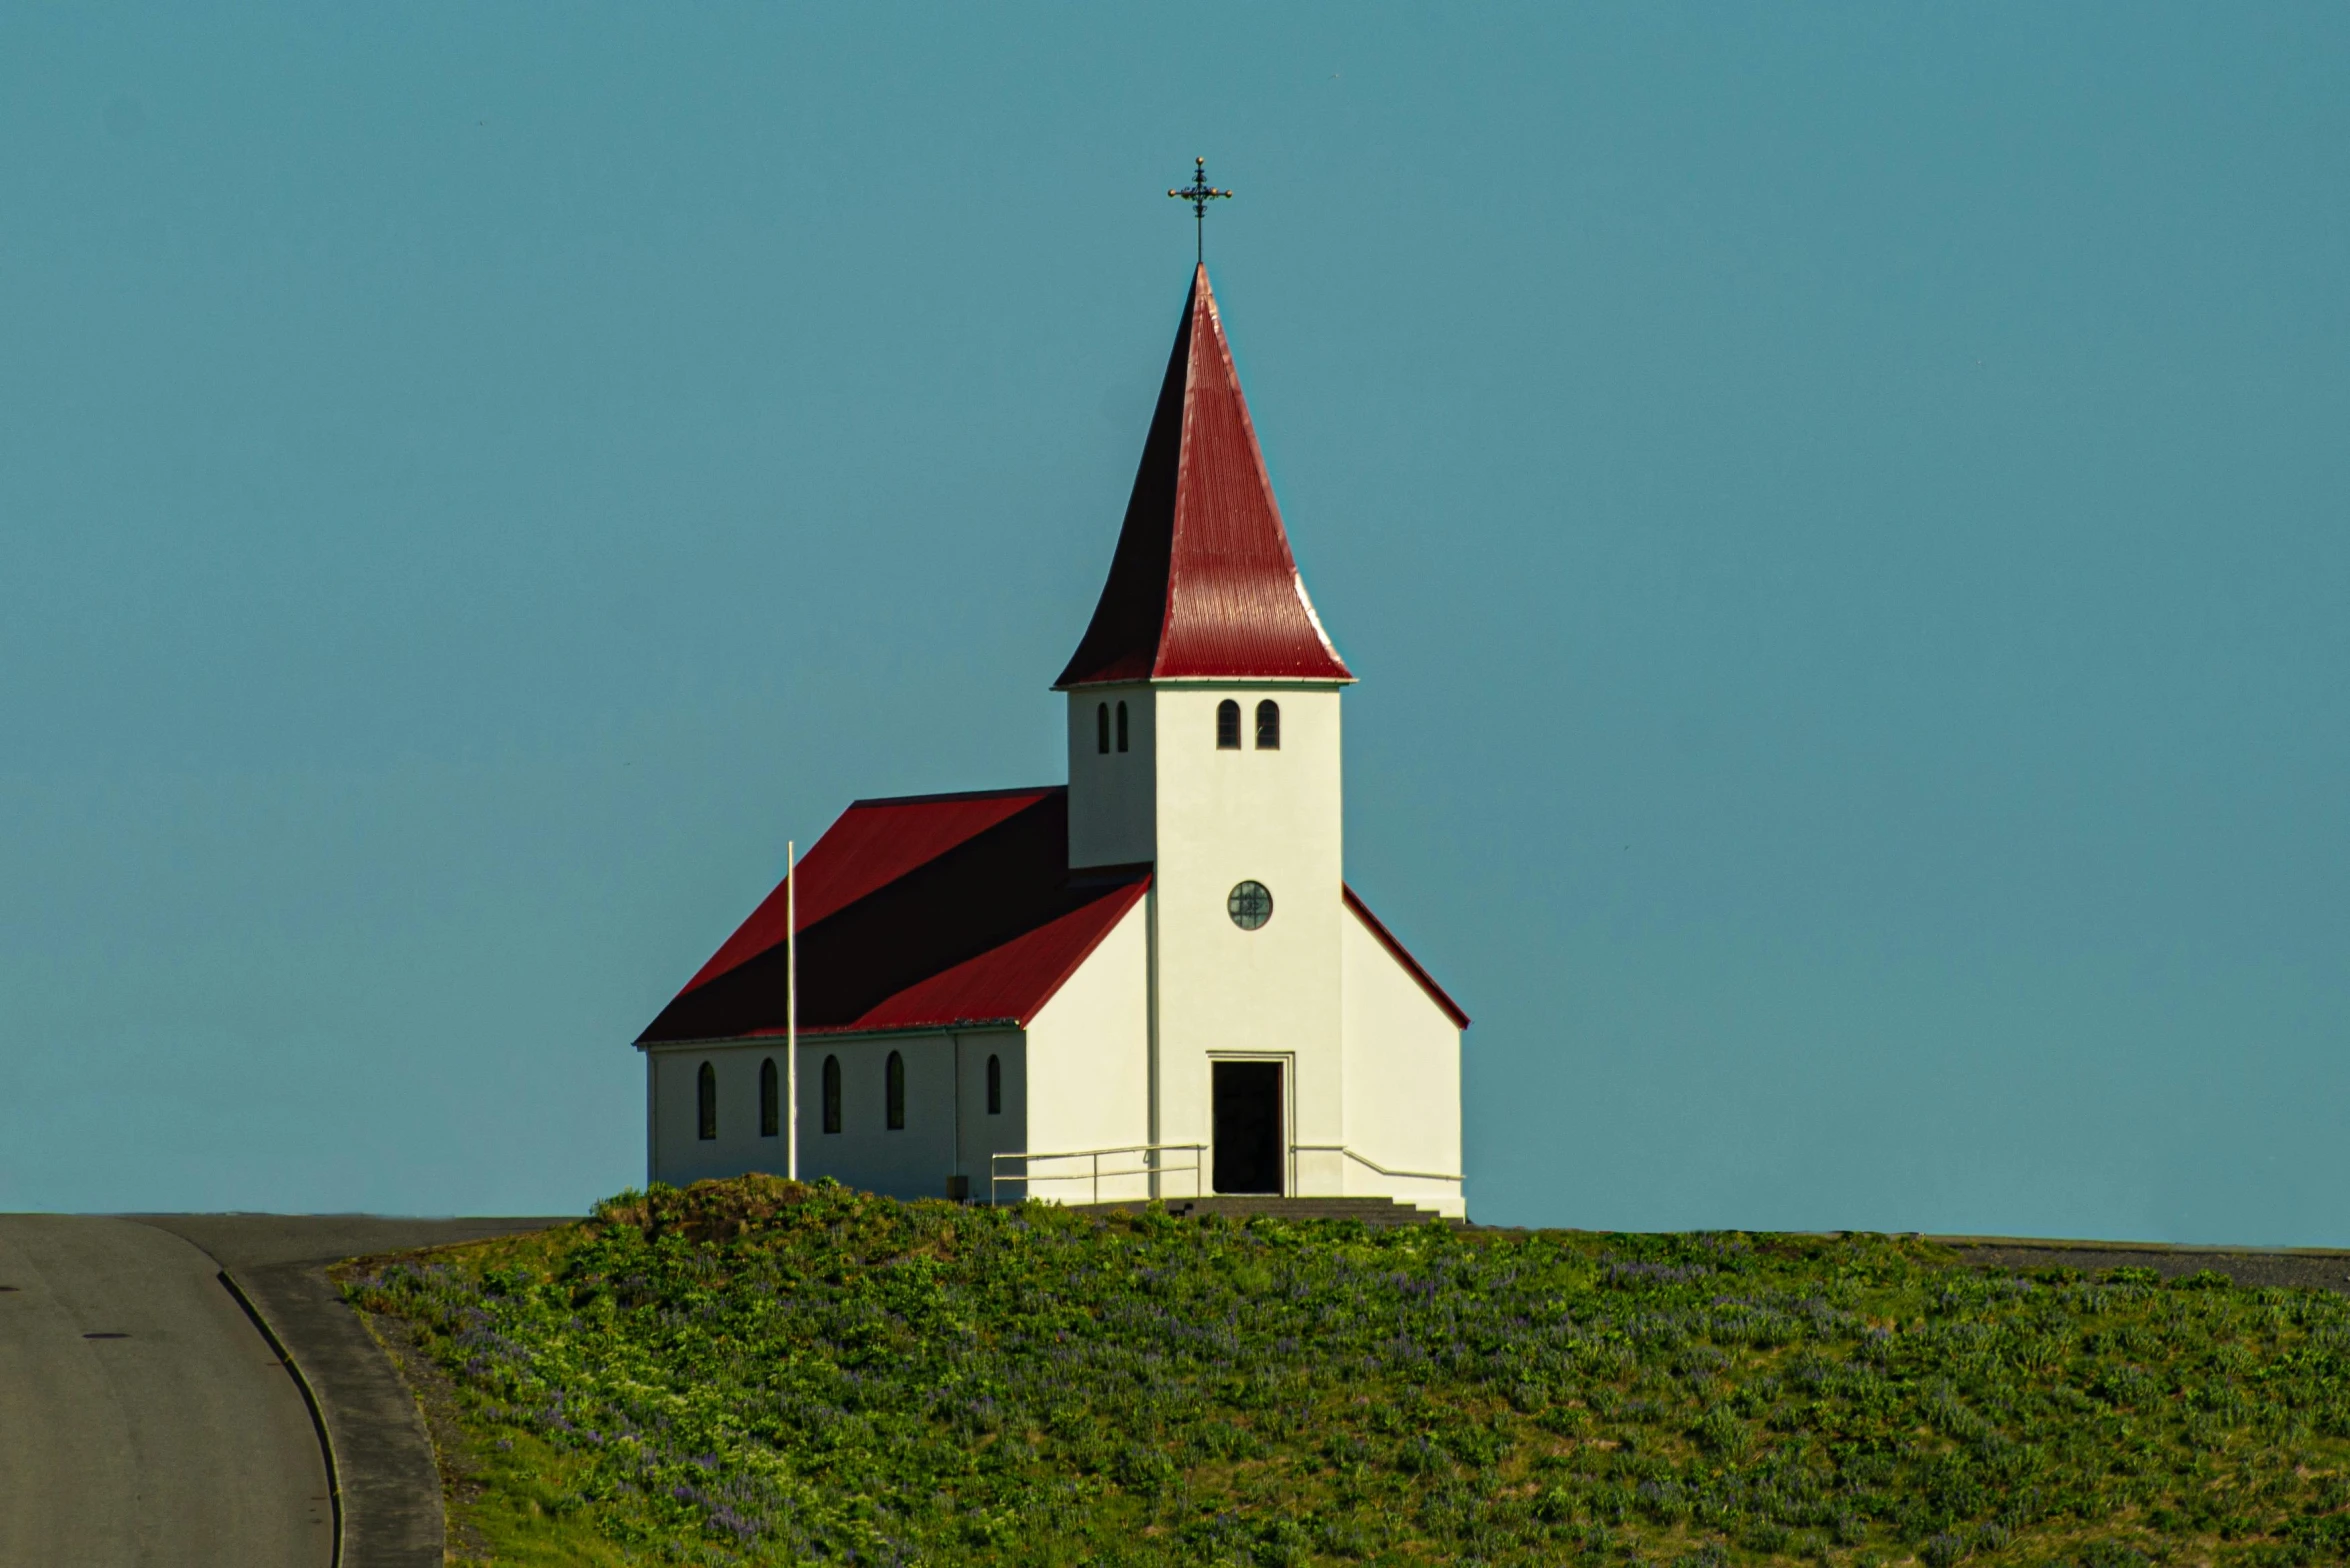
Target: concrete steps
[(1370, 1211)]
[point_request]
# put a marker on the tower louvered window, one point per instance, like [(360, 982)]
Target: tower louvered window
[(706, 1098), (995, 1086), (1228, 725), (1121, 726), (770, 1100), (895, 1092), (1268, 725), (832, 1094), (1101, 728)]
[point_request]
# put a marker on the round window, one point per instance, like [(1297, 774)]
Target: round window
[(1250, 905)]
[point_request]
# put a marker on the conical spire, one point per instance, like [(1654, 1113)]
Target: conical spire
[(1203, 585)]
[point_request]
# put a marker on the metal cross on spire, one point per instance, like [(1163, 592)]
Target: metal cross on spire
[(1199, 193)]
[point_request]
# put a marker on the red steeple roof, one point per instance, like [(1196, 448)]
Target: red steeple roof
[(1203, 584)]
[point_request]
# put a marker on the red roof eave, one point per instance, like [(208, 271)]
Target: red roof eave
[(1427, 981)]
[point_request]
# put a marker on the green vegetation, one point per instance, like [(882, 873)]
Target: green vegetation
[(752, 1372)]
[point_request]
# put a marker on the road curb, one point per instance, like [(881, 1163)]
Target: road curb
[(386, 1482), (384, 1476), (326, 1442)]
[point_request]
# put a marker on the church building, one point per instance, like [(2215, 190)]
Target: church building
[(1152, 980)]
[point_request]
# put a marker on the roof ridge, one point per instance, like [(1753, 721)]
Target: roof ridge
[(1037, 790)]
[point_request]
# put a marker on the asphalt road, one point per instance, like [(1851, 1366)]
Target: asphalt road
[(144, 1421), (385, 1468)]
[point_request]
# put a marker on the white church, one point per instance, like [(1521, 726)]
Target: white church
[(1151, 981)]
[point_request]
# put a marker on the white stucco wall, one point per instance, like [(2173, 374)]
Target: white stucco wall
[(1005, 1132), (678, 1155), (912, 1162), (948, 1130), (1112, 796), (1273, 817), (1089, 1070), (1403, 1079)]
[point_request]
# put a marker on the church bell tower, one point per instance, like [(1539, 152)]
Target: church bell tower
[(1204, 741)]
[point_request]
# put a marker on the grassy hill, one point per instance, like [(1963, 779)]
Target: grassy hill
[(755, 1372)]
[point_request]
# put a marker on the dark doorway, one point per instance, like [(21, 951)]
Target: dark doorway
[(1248, 1127)]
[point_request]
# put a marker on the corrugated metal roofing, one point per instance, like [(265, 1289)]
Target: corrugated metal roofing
[(915, 913), (873, 844), (1202, 584)]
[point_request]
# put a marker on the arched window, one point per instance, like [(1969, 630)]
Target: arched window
[(1121, 726), (832, 1094), (894, 1090), (1101, 728), (770, 1100), (706, 1092), (995, 1086), (1268, 725), (1228, 725)]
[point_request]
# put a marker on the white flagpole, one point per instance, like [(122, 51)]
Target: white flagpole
[(791, 1003)]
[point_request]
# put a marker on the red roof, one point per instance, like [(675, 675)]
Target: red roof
[(930, 911), (1203, 584)]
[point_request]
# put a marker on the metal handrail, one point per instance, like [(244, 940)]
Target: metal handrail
[(1362, 1159), (1072, 1154), (995, 1177)]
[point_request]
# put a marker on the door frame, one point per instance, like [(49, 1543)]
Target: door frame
[(1287, 1062)]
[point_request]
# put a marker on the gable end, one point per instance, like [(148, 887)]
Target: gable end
[(1411, 965)]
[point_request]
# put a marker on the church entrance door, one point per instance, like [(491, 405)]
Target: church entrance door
[(1248, 1127)]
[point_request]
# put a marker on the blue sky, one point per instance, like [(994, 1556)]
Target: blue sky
[(1839, 512)]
